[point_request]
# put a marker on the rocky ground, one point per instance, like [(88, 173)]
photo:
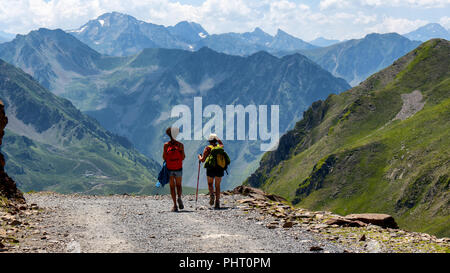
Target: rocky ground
[(247, 222)]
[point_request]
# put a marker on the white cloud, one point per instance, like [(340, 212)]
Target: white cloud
[(21, 16), (399, 25), (407, 3), (325, 4), (343, 15), (445, 22), (362, 18), (217, 16), (330, 18)]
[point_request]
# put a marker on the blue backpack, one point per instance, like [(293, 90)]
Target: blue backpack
[(163, 177)]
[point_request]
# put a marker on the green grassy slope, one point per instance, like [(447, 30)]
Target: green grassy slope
[(349, 154)]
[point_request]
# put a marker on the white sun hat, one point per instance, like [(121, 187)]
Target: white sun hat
[(212, 137)]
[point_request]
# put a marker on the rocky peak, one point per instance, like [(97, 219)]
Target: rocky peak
[(428, 32), (259, 31), (116, 16), (190, 32), (285, 41)]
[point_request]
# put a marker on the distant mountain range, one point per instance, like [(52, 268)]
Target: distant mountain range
[(52, 146), (322, 42), (427, 32), (247, 43), (355, 60), (123, 35), (133, 96), (379, 147), (119, 34), (157, 79)]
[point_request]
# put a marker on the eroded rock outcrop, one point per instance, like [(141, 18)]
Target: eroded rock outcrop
[(378, 219), (8, 187), (256, 193)]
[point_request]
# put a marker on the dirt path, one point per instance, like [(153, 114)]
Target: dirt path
[(76, 223)]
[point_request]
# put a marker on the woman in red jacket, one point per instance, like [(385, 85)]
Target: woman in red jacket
[(173, 154)]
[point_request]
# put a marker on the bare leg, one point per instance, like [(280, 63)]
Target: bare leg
[(179, 187), (210, 184), (211, 189), (179, 192), (172, 191), (218, 180)]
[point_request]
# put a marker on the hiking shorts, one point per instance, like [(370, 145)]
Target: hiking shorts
[(214, 172), (177, 173)]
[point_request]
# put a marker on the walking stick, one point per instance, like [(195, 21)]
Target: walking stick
[(198, 178)]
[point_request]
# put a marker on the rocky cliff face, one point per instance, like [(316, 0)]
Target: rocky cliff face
[(8, 187)]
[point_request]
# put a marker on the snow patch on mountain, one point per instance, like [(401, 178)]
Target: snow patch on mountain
[(79, 30)]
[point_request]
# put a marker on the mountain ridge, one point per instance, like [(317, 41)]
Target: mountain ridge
[(50, 54), (344, 59), (123, 35), (427, 32)]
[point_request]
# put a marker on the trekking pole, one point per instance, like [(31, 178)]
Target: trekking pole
[(198, 178)]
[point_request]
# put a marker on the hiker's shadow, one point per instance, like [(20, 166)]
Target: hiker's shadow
[(179, 211), (221, 208), (185, 211), (198, 210)]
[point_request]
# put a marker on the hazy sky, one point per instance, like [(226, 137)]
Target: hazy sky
[(306, 19)]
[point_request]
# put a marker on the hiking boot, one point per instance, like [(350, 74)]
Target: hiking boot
[(211, 199), (180, 203), (174, 209), (217, 206)]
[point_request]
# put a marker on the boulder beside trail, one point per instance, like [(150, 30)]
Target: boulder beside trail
[(340, 221), (363, 219), (257, 194), (378, 219)]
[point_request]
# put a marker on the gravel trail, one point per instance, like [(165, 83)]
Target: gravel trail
[(120, 223)]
